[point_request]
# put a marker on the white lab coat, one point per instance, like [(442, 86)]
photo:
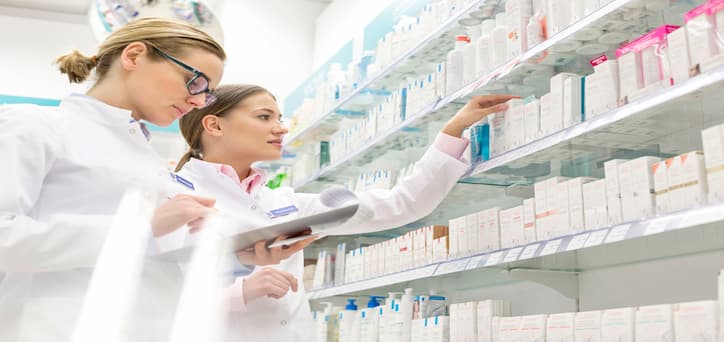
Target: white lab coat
[(64, 171), (289, 318)]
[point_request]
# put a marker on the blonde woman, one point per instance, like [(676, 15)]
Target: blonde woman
[(65, 169), (244, 126)]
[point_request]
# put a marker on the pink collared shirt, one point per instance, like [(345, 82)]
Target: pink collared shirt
[(255, 179)]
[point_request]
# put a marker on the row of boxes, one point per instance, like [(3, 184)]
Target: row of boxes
[(665, 56), (631, 190), (416, 248), (691, 321), (473, 321)]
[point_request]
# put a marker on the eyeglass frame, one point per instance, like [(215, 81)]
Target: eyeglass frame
[(197, 74)]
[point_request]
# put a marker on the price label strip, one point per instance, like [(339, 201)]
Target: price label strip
[(618, 233), (596, 238), (494, 258), (577, 242), (474, 262), (551, 247), (529, 251), (452, 266), (657, 226), (513, 254)]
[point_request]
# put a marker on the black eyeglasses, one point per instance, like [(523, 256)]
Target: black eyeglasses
[(199, 84)]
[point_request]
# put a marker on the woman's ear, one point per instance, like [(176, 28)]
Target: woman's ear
[(212, 125), (131, 54)]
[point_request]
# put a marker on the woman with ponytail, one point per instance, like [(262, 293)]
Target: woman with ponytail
[(245, 126), (66, 168)]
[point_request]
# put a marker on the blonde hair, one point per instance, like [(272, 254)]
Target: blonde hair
[(168, 35), (227, 97)]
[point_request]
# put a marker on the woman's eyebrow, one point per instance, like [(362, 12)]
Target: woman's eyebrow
[(264, 109), (268, 110)]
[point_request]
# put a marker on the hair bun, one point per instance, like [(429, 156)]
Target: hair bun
[(76, 65)]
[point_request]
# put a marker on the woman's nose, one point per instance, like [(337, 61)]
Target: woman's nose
[(198, 100)]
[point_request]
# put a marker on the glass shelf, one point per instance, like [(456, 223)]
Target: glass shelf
[(432, 48), (686, 232), (508, 78), (665, 124)]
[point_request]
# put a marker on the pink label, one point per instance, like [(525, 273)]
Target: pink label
[(716, 6), (598, 60), (702, 9), (657, 36)]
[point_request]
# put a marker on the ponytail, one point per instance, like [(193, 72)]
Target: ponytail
[(76, 65), (184, 159)]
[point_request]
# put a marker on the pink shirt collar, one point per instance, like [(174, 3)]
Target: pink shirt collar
[(249, 184)]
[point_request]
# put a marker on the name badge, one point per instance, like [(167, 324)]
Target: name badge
[(182, 181), (282, 211)]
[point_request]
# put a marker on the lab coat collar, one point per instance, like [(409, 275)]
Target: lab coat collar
[(101, 112), (250, 184)]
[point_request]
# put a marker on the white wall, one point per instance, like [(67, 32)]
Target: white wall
[(31, 41), (341, 21), (270, 42)]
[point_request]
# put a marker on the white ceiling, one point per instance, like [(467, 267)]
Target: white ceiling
[(77, 6), (62, 6)]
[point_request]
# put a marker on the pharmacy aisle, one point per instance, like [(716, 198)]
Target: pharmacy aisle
[(594, 206)]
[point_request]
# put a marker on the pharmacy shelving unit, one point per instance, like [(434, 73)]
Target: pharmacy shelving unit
[(503, 179), (664, 259), (649, 126), (397, 140), (432, 48), (442, 108), (558, 263)]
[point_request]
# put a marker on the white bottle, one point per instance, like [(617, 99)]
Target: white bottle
[(322, 319), (577, 10), (535, 35), (335, 81), (370, 321), (559, 16), (395, 325), (499, 41), (454, 65), (518, 13), (319, 271), (392, 299), (382, 313), (483, 65), (347, 318), (389, 328), (427, 20), (469, 55), (405, 315)]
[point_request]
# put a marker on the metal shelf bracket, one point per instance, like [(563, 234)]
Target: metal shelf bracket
[(563, 282)]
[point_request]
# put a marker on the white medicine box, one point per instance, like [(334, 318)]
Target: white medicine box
[(655, 323), (713, 141), (696, 321)]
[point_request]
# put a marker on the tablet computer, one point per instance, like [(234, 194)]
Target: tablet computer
[(317, 222)]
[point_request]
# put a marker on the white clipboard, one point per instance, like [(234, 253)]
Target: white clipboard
[(317, 222)]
